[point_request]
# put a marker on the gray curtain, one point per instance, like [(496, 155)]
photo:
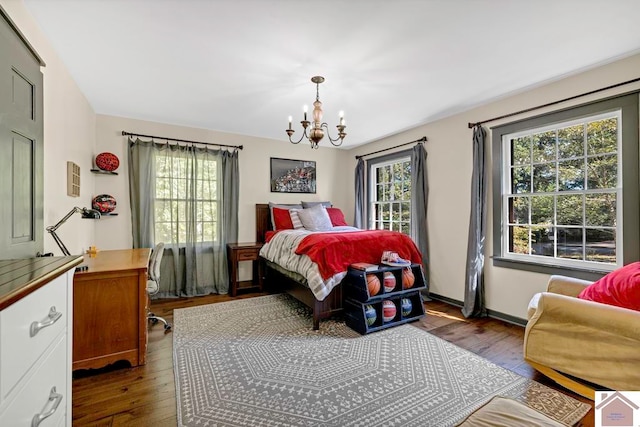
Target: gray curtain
[(474, 286), (186, 197), (359, 219), (419, 202)]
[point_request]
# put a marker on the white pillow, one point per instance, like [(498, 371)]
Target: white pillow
[(295, 219), (315, 218)]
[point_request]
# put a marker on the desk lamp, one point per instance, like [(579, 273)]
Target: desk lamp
[(86, 213)]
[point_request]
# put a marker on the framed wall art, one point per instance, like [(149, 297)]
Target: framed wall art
[(293, 176)]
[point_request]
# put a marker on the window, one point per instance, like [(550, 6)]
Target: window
[(390, 193), (180, 183), (567, 188)]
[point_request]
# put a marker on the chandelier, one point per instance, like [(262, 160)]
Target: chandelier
[(316, 127)]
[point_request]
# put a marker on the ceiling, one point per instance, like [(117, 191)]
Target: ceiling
[(244, 66)]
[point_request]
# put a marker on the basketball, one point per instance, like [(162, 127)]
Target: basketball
[(389, 281), (408, 279), (388, 310), (406, 307), (373, 284), (370, 314)]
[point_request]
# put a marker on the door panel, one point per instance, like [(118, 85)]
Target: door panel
[(21, 148)]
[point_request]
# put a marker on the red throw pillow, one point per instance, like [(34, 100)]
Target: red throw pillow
[(620, 288), (337, 217), (282, 219)]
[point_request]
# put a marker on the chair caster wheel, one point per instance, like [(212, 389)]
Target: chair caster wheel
[(154, 321), (167, 327)]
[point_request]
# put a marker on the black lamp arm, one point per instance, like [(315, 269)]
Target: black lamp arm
[(86, 213)]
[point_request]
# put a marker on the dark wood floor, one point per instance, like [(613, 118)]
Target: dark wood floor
[(145, 396)]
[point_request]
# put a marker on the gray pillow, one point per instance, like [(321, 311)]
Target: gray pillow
[(281, 206), (315, 218), (308, 205)]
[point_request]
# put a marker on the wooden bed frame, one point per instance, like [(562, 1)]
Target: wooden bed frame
[(278, 282)]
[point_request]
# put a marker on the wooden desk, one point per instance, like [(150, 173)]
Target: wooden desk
[(110, 309)]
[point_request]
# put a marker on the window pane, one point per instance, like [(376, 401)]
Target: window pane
[(600, 209), (521, 179), (519, 210), (571, 175), (395, 211), (544, 147), (571, 142), (602, 172), (163, 232), (385, 211), (521, 150), (601, 245), (406, 190), (544, 178), (569, 210), (385, 192), (406, 211), (602, 136), (570, 243), (519, 240), (208, 232), (397, 172), (541, 241), (405, 228), (542, 210)]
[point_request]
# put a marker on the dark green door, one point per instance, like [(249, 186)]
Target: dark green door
[(21, 147)]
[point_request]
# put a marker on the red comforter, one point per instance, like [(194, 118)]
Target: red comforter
[(333, 252)]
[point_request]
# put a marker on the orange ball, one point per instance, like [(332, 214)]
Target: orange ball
[(373, 284), (408, 279)]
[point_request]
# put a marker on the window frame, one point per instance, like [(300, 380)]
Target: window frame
[(216, 223), (628, 185), (398, 156)]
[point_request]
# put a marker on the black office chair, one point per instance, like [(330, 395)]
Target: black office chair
[(153, 283)]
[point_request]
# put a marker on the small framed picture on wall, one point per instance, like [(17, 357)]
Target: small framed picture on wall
[(293, 176)]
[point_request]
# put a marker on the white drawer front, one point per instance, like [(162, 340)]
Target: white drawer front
[(18, 349), (33, 398)]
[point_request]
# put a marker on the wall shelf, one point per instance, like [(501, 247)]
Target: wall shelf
[(100, 171)]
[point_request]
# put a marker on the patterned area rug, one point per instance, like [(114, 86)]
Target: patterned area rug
[(257, 362)]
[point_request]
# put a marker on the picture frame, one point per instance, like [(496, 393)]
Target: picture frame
[(293, 176)]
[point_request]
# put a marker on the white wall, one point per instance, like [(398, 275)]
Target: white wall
[(115, 232), (73, 132), (449, 163), (69, 135)]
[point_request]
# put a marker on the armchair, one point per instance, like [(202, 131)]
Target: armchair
[(572, 340)]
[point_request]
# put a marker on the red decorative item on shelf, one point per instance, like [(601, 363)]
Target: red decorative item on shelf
[(107, 161), (104, 203)]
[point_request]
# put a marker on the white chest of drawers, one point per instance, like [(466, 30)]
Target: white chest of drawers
[(36, 324)]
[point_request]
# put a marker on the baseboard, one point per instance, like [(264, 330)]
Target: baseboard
[(491, 313)]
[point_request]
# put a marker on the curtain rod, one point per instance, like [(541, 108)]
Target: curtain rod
[(124, 133), (423, 139), (526, 110)]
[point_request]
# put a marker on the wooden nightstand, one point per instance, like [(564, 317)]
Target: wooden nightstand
[(237, 252)]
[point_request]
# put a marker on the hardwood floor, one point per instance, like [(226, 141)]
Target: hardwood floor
[(145, 395)]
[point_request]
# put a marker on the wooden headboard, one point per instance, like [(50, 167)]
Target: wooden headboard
[(263, 221)]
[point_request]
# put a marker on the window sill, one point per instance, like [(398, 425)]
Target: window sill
[(579, 273)]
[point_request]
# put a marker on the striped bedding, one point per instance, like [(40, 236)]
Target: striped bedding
[(281, 249)]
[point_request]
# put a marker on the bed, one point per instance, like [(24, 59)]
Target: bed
[(323, 296)]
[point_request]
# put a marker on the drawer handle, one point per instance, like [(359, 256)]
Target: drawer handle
[(54, 397), (52, 318)]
